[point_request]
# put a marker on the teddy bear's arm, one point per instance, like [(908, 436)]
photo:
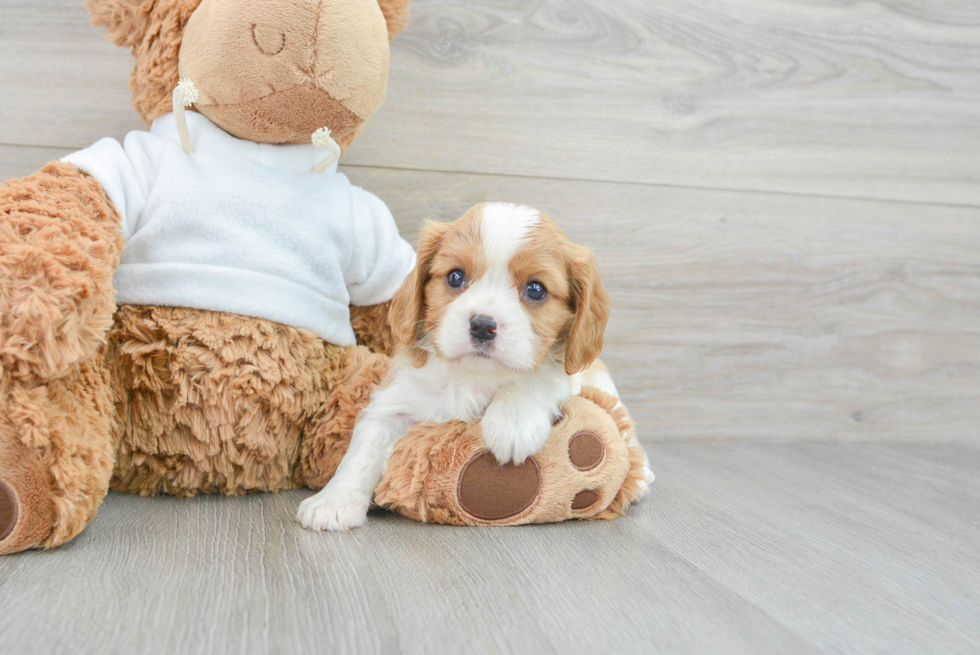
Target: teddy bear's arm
[(380, 261), (60, 243)]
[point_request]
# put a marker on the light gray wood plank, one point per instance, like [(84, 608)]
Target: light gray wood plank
[(744, 315), (18, 161), (64, 84), (218, 575), (858, 547), (853, 99), (741, 547)]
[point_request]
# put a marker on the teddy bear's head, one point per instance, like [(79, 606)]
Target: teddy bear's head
[(272, 71)]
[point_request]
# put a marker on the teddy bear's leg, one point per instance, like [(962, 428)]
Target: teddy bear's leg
[(26, 504), (363, 367), (217, 402), (592, 466), (325, 441), (59, 246), (57, 442)]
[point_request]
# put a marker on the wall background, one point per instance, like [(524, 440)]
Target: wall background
[(784, 196)]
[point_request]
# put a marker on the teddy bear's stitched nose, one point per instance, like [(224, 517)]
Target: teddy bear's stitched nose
[(269, 40)]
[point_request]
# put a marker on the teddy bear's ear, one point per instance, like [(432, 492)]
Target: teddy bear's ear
[(153, 29), (396, 15), (127, 20)]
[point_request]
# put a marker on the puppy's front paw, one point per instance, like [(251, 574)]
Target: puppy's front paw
[(515, 436), (334, 510)]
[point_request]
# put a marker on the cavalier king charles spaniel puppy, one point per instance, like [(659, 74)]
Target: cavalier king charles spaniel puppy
[(500, 314)]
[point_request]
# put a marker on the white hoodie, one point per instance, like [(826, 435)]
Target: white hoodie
[(245, 228)]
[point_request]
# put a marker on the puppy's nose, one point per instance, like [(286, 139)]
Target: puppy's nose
[(483, 328)]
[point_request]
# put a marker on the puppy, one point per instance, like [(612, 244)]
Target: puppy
[(501, 310)]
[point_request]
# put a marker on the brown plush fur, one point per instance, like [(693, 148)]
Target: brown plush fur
[(153, 29), (422, 460), (630, 491), (26, 504), (68, 426), (217, 402), (371, 327), (175, 400), (396, 15), (59, 246), (330, 433)]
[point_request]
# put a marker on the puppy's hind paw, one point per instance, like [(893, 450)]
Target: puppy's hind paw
[(333, 511)]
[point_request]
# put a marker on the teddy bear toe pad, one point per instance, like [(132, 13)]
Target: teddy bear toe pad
[(585, 499), (8, 510), (585, 451), (27, 512), (26, 515)]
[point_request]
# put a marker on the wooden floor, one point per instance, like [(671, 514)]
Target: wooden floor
[(743, 548), (784, 197)]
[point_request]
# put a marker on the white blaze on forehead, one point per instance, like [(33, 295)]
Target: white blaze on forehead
[(504, 229)]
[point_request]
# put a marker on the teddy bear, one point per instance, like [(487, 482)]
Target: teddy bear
[(203, 307)]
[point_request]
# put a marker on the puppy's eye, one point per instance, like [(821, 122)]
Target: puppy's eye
[(535, 291), (455, 278)]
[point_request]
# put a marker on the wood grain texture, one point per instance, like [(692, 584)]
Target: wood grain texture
[(742, 548), (855, 99)]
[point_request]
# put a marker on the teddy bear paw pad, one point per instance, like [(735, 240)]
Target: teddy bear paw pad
[(9, 510)]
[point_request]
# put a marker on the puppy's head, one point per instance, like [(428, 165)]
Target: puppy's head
[(501, 288)]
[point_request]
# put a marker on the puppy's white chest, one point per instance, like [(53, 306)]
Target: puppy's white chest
[(457, 400)]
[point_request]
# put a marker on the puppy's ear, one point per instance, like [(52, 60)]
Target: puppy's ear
[(591, 303), (407, 313)]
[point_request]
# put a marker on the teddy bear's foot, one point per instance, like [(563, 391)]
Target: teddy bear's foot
[(56, 454), (592, 466), (26, 509)]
